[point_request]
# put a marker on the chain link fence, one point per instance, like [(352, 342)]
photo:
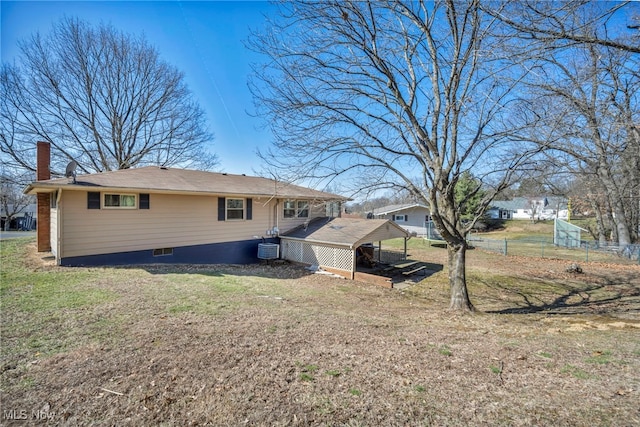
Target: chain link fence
[(583, 251)]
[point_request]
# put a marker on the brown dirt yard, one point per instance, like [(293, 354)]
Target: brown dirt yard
[(267, 345)]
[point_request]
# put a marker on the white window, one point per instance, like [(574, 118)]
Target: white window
[(235, 209), (398, 218), (296, 209), (332, 209), (289, 209), (119, 201), (302, 209)]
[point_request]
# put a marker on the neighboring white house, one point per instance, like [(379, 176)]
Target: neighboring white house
[(412, 216), (531, 208)]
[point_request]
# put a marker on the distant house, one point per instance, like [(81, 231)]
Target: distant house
[(531, 208), (23, 220), (411, 216), (167, 215)]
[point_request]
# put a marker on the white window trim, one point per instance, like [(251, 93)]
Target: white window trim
[(295, 209), (104, 206), (298, 210), (244, 209)]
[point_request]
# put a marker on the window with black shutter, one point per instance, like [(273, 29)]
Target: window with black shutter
[(93, 200), (144, 201), (222, 207), (235, 209)]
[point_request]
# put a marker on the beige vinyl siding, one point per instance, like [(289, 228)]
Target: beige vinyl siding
[(53, 230), (171, 221)]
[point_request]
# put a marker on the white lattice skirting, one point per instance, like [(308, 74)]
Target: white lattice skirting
[(314, 254)]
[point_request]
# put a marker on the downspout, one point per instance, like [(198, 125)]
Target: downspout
[(277, 215), (59, 228)]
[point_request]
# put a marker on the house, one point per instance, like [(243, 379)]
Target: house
[(531, 208), (23, 220), (413, 217), (167, 215)]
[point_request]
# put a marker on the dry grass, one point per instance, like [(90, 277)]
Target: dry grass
[(262, 345)]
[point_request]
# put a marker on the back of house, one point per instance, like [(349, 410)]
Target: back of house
[(169, 215)]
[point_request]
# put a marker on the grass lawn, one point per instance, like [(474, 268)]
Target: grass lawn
[(277, 345), (523, 229), (535, 240)]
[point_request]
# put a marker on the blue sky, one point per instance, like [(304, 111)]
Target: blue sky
[(203, 39)]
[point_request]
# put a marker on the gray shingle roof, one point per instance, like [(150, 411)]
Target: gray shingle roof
[(173, 180), (525, 203), (350, 232)]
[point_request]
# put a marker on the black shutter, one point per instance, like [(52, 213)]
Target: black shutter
[(93, 200), (249, 208), (222, 208), (406, 218), (393, 217), (144, 201)]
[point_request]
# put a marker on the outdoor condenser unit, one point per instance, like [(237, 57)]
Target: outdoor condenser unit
[(268, 251)]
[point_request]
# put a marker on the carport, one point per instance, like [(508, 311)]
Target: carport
[(334, 244)]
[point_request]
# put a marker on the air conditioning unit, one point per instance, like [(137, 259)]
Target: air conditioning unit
[(268, 251)]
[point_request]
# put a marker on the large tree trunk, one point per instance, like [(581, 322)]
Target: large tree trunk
[(601, 233), (458, 279), (620, 222), (618, 214)]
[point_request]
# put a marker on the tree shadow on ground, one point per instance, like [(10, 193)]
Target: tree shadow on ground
[(601, 294), (263, 269)]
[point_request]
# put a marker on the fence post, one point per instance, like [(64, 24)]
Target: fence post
[(505, 246), (587, 248)]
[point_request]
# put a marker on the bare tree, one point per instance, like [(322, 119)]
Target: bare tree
[(403, 95), (583, 90), (100, 97), (534, 208), (587, 195)]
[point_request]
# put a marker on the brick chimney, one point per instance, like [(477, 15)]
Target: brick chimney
[(43, 173)]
